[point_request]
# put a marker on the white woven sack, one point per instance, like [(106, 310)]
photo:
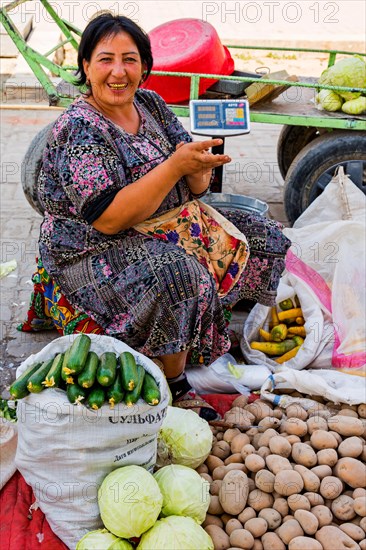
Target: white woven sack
[(65, 451)]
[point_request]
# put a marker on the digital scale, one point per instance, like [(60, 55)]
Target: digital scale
[(219, 118)]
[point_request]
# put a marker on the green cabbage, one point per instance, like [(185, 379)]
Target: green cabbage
[(184, 438), (185, 492), (355, 106), (129, 501), (350, 72), (176, 533), (95, 540), (329, 100)]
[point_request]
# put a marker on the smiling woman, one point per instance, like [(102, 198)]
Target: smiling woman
[(124, 235)]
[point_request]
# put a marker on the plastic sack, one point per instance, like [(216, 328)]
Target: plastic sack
[(226, 376), (332, 385), (325, 268), (65, 451)]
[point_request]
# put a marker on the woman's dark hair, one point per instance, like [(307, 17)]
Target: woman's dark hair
[(107, 24)]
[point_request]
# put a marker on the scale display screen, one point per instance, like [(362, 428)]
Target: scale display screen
[(219, 117)]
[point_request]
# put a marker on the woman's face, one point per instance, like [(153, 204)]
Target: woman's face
[(114, 71)]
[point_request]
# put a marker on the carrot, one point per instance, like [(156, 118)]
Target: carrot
[(300, 321), (274, 348), (287, 356), (274, 317), (300, 331), (279, 332), (295, 312), (265, 335)]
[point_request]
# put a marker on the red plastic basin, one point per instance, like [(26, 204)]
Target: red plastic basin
[(186, 45)]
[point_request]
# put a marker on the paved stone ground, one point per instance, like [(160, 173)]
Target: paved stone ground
[(253, 172)]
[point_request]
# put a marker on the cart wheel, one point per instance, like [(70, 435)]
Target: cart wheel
[(290, 142), (315, 165), (31, 167)]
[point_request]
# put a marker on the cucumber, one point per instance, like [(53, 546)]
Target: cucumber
[(128, 371), (132, 397), (78, 353), (19, 389), (35, 382), (65, 371), (107, 368), (75, 393), (87, 377), (53, 377), (96, 398), (150, 390), (115, 393)]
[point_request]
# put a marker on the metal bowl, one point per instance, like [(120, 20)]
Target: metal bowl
[(236, 202)]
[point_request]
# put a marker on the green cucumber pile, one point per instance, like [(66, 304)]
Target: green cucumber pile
[(90, 379)]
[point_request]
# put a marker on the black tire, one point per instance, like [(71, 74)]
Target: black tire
[(31, 167), (315, 165), (290, 142)]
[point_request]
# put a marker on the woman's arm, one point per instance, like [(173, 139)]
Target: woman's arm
[(139, 200)]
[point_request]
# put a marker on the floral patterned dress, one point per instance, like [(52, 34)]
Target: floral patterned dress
[(144, 290)]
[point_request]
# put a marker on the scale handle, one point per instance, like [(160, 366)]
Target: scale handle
[(216, 185)]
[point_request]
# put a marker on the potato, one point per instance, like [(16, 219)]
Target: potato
[(359, 505), (351, 471), (215, 508), (279, 446), (277, 463), (361, 410), (264, 480), (219, 437), (241, 538), (230, 433), (342, 508), (314, 498), (247, 513), (321, 471), (281, 506), (271, 516), (288, 483), (316, 423), (269, 422), (207, 477), (323, 515), (258, 500), (289, 530), (337, 436), (320, 439), (235, 458), (292, 438), (227, 517), (353, 531), (263, 440), (362, 544), (231, 525), (247, 450), (308, 521), (331, 487), (220, 539), (327, 456), (311, 481), (221, 449), (256, 526), (295, 426), (238, 442), (255, 439), (260, 409), (303, 454), (360, 492), (240, 401), (300, 543), (215, 486), (212, 520), (213, 462), (351, 446), (331, 537), (233, 494), (254, 463), (202, 469), (348, 412), (258, 545), (363, 524), (298, 502), (240, 417), (263, 452), (271, 541), (219, 473), (345, 425), (278, 413), (296, 411)]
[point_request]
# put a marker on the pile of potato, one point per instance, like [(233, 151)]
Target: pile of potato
[(288, 478)]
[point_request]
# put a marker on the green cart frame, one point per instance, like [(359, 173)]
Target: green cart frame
[(311, 145)]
